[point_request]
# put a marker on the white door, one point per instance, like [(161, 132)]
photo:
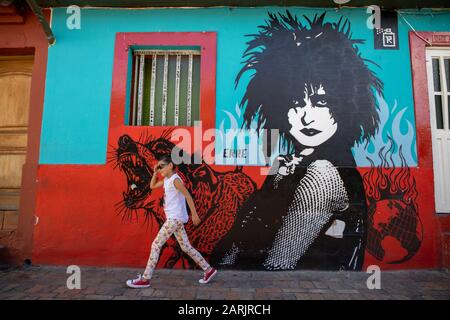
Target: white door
[(438, 70)]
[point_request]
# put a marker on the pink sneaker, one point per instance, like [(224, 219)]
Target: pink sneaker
[(138, 283), (207, 276)]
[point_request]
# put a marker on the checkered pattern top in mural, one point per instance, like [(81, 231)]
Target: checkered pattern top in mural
[(320, 193)]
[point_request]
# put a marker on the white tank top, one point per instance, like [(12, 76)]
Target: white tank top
[(174, 200)]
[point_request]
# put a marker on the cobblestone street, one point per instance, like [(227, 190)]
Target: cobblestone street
[(48, 282)]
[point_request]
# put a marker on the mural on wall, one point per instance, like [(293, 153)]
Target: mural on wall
[(72, 161), (315, 211), (311, 83), (395, 230), (217, 195)]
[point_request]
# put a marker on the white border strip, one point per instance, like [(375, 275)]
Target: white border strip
[(177, 90), (164, 99), (189, 93), (152, 91), (140, 92)]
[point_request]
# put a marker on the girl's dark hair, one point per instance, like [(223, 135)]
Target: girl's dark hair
[(285, 55), (166, 159)]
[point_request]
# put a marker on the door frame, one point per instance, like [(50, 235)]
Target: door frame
[(27, 38), (418, 43), (431, 104)]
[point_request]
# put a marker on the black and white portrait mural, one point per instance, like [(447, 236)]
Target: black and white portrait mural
[(311, 83)]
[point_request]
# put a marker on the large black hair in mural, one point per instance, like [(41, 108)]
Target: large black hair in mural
[(320, 62), (311, 83)]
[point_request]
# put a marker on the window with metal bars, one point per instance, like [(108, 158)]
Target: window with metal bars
[(165, 88)]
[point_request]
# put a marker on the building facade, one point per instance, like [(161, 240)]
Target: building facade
[(310, 138)]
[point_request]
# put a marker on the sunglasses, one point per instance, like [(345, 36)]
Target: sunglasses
[(162, 166)]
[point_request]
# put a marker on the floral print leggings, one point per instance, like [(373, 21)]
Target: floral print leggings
[(176, 227)]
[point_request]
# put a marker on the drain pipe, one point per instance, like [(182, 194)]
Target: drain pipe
[(40, 15)]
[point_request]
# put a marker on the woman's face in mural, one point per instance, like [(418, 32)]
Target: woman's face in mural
[(310, 119)]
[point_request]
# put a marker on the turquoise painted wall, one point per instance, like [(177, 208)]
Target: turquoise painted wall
[(80, 64)]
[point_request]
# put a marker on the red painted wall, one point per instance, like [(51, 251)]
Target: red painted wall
[(78, 223)]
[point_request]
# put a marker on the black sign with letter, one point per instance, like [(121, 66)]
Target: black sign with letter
[(386, 37)]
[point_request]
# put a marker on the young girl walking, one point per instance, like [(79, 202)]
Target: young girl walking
[(175, 194)]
